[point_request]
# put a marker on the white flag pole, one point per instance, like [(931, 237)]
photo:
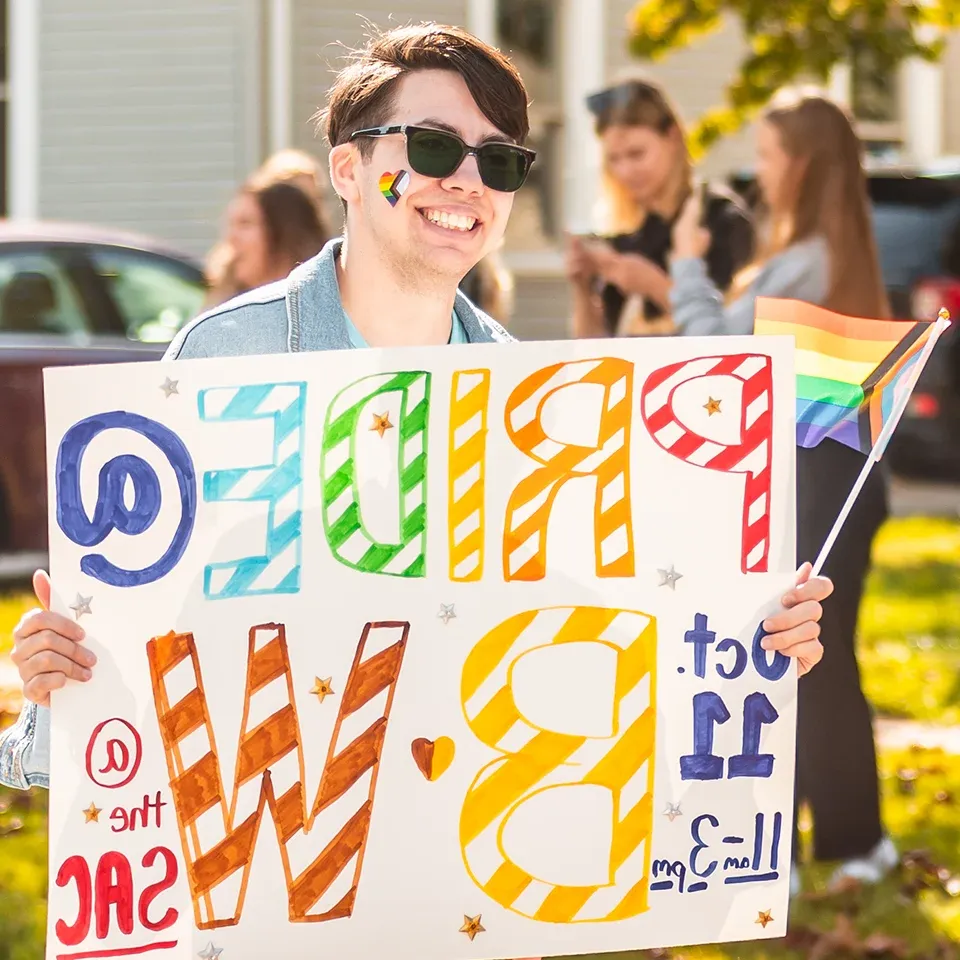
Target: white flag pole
[(900, 405)]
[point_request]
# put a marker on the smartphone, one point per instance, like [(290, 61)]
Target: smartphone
[(592, 242)]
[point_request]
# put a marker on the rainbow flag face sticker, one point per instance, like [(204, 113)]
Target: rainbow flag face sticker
[(394, 185)]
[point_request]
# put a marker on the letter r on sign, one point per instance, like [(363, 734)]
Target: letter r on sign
[(607, 458)]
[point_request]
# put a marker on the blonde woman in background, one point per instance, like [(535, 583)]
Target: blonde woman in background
[(621, 283), (293, 167)]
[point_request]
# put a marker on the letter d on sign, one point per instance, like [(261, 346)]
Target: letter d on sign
[(348, 537), (751, 373)]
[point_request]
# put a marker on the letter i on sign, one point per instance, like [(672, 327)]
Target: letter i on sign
[(469, 399), (219, 831)]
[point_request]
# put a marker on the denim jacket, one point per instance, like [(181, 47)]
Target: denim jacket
[(303, 312)]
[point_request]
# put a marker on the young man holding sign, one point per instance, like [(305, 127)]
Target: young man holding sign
[(426, 129)]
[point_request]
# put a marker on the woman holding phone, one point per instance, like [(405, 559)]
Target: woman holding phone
[(621, 283)]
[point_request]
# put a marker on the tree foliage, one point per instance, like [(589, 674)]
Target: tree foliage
[(790, 40)]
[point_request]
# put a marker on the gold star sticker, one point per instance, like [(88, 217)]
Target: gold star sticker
[(764, 917), (712, 406), (322, 688), (92, 814), (472, 926), (381, 423)]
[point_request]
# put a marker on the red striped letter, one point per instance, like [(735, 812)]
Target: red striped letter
[(748, 380)]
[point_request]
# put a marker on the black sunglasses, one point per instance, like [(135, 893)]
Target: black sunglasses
[(438, 154)]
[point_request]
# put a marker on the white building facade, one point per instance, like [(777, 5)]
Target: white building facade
[(147, 117)]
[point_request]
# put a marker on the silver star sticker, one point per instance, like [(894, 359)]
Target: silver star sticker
[(669, 578), (169, 386), (210, 952), (446, 613), (673, 811), (81, 606)]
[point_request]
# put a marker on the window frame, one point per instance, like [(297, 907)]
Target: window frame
[(878, 133), (171, 265), (100, 319)]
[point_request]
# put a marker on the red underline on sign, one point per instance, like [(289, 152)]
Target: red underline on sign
[(122, 952)]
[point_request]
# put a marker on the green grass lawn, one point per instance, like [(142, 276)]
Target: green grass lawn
[(12, 608), (23, 874), (910, 622), (910, 655)]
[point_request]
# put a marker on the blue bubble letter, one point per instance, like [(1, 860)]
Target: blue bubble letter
[(111, 513), (277, 482)]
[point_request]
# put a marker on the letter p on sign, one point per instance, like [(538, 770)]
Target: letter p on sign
[(736, 386)]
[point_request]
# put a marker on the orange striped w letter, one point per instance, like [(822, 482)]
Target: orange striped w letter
[(321, 843)]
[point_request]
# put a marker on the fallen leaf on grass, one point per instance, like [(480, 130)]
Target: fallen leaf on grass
[(920, 873), (882, 945), (843, 937), (845, 889), (844, 940), (907, 781)]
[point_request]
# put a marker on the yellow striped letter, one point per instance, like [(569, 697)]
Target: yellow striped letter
[(607, 459), (469, 396), (559, 828)]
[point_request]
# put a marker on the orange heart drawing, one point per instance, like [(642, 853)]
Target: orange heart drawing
[(433, 757)]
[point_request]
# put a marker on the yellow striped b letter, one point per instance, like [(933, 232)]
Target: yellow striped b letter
[(558, 827)]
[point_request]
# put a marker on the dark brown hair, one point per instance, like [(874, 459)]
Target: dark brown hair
[(634, 103), (638, 103), (364, 92), (293, 222), (827, 197)]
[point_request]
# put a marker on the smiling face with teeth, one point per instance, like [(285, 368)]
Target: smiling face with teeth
[(439, 228)]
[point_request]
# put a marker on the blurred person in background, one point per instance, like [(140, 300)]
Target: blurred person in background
[(292, 166), (489, 285), (620, 282), (248, 222), (818, 247)]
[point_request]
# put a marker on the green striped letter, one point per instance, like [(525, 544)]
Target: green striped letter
[(400, 419)]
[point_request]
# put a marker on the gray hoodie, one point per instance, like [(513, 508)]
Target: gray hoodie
[(303, 312)]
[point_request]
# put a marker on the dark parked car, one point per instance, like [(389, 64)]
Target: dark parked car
[(916, 213), (71, 295)]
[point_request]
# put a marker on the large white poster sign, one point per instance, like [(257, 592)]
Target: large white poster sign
[(445, 654)]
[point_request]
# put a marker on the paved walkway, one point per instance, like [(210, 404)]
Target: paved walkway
[(925, 499), (901, 734)]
